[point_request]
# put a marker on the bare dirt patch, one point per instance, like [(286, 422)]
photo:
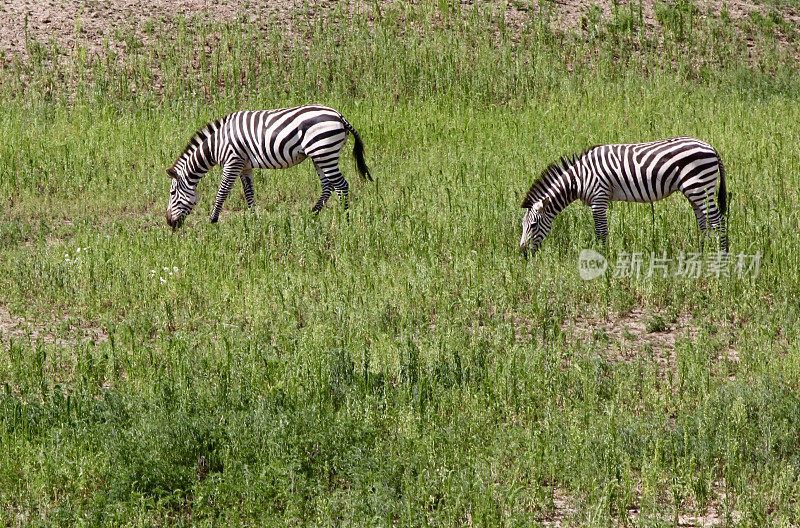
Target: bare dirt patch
[(652, 332), (562, 509), (61, 332), (639, 327), (571, 15), (565, 514)]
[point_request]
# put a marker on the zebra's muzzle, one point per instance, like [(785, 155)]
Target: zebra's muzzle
[(528, 249), (174, 222)]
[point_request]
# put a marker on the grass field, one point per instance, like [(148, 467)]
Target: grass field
[(404, 367)]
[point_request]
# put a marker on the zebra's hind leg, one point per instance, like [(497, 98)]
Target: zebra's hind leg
[(327, 188), (341, 186), (247, 183), (702, 222), (708, 215), (331, 178), (230, 172), (342, 192), (723, 234), (717, 221)]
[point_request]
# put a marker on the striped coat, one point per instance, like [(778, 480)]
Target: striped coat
[(266, 139), (639, 172)]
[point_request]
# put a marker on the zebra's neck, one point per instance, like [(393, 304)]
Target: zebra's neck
[(586, 179), (560, 187), (201, 153), (200, 159)]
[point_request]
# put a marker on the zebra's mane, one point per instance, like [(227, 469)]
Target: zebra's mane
[(200, 136), (550, 175)]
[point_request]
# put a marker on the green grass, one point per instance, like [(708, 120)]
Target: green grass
[(404, 367)]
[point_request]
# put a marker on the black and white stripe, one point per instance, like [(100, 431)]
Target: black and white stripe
[(266, 139), (640, 172)]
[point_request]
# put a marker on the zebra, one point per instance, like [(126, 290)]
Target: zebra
[(264, 139), (640, 172)]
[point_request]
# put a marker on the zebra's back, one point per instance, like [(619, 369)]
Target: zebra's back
[(283, 137), (646, 172)]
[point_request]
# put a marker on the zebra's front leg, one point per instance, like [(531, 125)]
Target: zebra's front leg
[(599, 213), (230, 172), (247, 184)]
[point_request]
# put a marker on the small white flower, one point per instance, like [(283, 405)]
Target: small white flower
[(175, 269), (165, 268), (163, 280)]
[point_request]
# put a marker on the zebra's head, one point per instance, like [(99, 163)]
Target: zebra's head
[(535, 225), (182, 197)]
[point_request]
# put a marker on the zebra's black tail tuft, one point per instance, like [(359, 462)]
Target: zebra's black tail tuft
[(358, 151), (722, 194)]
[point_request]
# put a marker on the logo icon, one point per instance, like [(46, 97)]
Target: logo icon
[(591, 264)]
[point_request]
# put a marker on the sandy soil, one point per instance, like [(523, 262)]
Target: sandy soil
[(92, 22)]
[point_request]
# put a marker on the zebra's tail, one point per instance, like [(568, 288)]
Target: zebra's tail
[(722, 194), (358, 151)]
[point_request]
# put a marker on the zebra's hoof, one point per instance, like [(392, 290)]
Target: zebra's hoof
[(214, 219)]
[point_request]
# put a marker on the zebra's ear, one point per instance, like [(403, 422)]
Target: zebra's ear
[(172, 173), (541, 206)]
